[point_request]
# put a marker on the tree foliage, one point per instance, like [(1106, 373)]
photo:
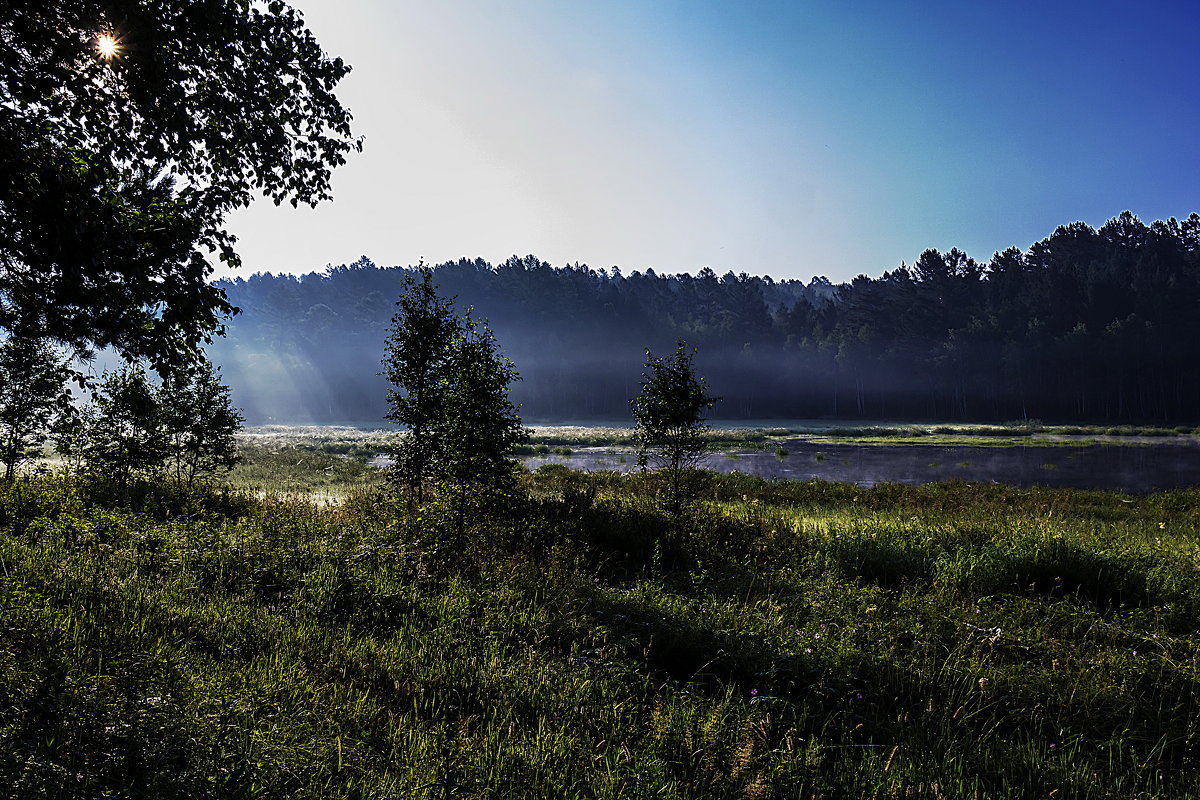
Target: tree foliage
[(33, 392), (450, 389), (184, 426), (124, 430), (418, 357), (200, 422), (119, 171), (479, 425), (669, 416)]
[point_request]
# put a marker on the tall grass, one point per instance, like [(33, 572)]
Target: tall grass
[(785, 640)]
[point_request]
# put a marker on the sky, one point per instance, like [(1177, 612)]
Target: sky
[(789, 139)]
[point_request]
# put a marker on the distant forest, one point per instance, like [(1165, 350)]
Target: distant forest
[(1086, 325)]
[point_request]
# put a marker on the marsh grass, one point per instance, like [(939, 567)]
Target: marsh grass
[(789, 640), (1010, 434), (301, 469)]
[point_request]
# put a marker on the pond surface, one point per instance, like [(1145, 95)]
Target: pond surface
[(1135, 469)]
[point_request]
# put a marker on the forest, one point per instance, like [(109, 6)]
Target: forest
[(1086, 325)]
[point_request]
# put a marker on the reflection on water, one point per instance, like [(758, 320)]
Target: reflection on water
[(1131, 469)]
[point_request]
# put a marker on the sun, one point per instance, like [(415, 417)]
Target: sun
[(107, 46)]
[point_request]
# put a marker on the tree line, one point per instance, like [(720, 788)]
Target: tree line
[(1085, 325)]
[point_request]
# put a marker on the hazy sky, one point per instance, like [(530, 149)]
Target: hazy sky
[(783, 138)]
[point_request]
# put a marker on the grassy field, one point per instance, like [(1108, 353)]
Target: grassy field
[(544, 439), (788, 640), (1014, 434)]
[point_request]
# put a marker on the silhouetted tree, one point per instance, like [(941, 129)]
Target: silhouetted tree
[(120, 163), (669, 417), (418, 359), (943, 337)]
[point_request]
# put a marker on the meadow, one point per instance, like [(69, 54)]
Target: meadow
[(299, 631)]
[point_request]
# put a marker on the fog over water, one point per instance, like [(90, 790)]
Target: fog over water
[(1127, 468)]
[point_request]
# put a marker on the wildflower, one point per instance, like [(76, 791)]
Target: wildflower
[(754, 692)]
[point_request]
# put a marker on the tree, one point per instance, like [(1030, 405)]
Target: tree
[(124, 431), (128, 131), (33, 391), (669, 416), (417, 362), (479, 425), (200, 422)]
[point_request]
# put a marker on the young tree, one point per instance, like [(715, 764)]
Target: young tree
[(128, 132), (33, 392), (669, 417), (124, 431), (478, 426), (200, 422), (418, 358)]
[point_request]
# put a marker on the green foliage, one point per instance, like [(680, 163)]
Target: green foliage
[(452, 386), (669, 416), (200, 422), (33, 392), (124, 431), (185, 426), (479, 426), (119, 171), (418, 358)]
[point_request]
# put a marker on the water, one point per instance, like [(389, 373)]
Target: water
[(1135, 469)]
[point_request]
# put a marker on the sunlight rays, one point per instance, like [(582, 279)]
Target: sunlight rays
[(108, 46)]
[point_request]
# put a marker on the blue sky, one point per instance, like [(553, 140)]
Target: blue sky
[(783, 138)]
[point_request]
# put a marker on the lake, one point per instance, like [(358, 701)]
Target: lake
[(1130, 468)]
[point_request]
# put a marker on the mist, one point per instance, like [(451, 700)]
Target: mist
[(1087, 325)]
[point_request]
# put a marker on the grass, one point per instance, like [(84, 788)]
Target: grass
[(1011, 434), (787, 639), (304, 469)]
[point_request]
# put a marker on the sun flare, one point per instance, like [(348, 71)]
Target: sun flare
[(107, 46)]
